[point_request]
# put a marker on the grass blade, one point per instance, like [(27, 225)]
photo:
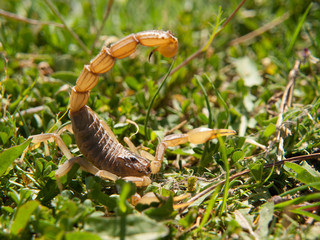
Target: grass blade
[(223, 151), (296, 32), (225, 106), (23, 215), (154, 98)]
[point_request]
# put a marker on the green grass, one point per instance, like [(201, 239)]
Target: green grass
[(240, 188)]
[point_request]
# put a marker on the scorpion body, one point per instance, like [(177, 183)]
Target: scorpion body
[(102, 150), (104, 155)]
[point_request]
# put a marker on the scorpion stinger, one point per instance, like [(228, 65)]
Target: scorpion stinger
[(103, 155)]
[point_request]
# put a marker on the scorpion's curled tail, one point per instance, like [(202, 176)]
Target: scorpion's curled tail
[(165, 42)]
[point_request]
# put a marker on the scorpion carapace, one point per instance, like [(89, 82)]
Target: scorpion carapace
[(107, 157)]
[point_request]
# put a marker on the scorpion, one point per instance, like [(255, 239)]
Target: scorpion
[(103, 155)]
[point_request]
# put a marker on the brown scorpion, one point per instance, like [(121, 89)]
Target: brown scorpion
[(104, 155)]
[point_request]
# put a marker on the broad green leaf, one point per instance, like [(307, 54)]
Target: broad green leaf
[(270, 129), (7, 208), (266, 214), (239, 142), (66, 76), (4, 137), (163, 212), (256, 169), (133, 83), (23, 215), (237, 155), (304, 173), (130, 227), (244, 220), (248, 102), (248, 71), (94, 192), (9, 155), (189, 218), (126, 189), (81, 236)]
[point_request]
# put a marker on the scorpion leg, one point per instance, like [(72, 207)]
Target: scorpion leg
[(67, 165), (150, 197), (44, 137), (147, 155), (57, 139), (141, 152), (139, 181), (84, 165), (67, 127), (89, 167), (133, 148), (52, 137), (195, 136)]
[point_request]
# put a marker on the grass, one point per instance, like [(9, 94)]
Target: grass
[(258, 74)]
